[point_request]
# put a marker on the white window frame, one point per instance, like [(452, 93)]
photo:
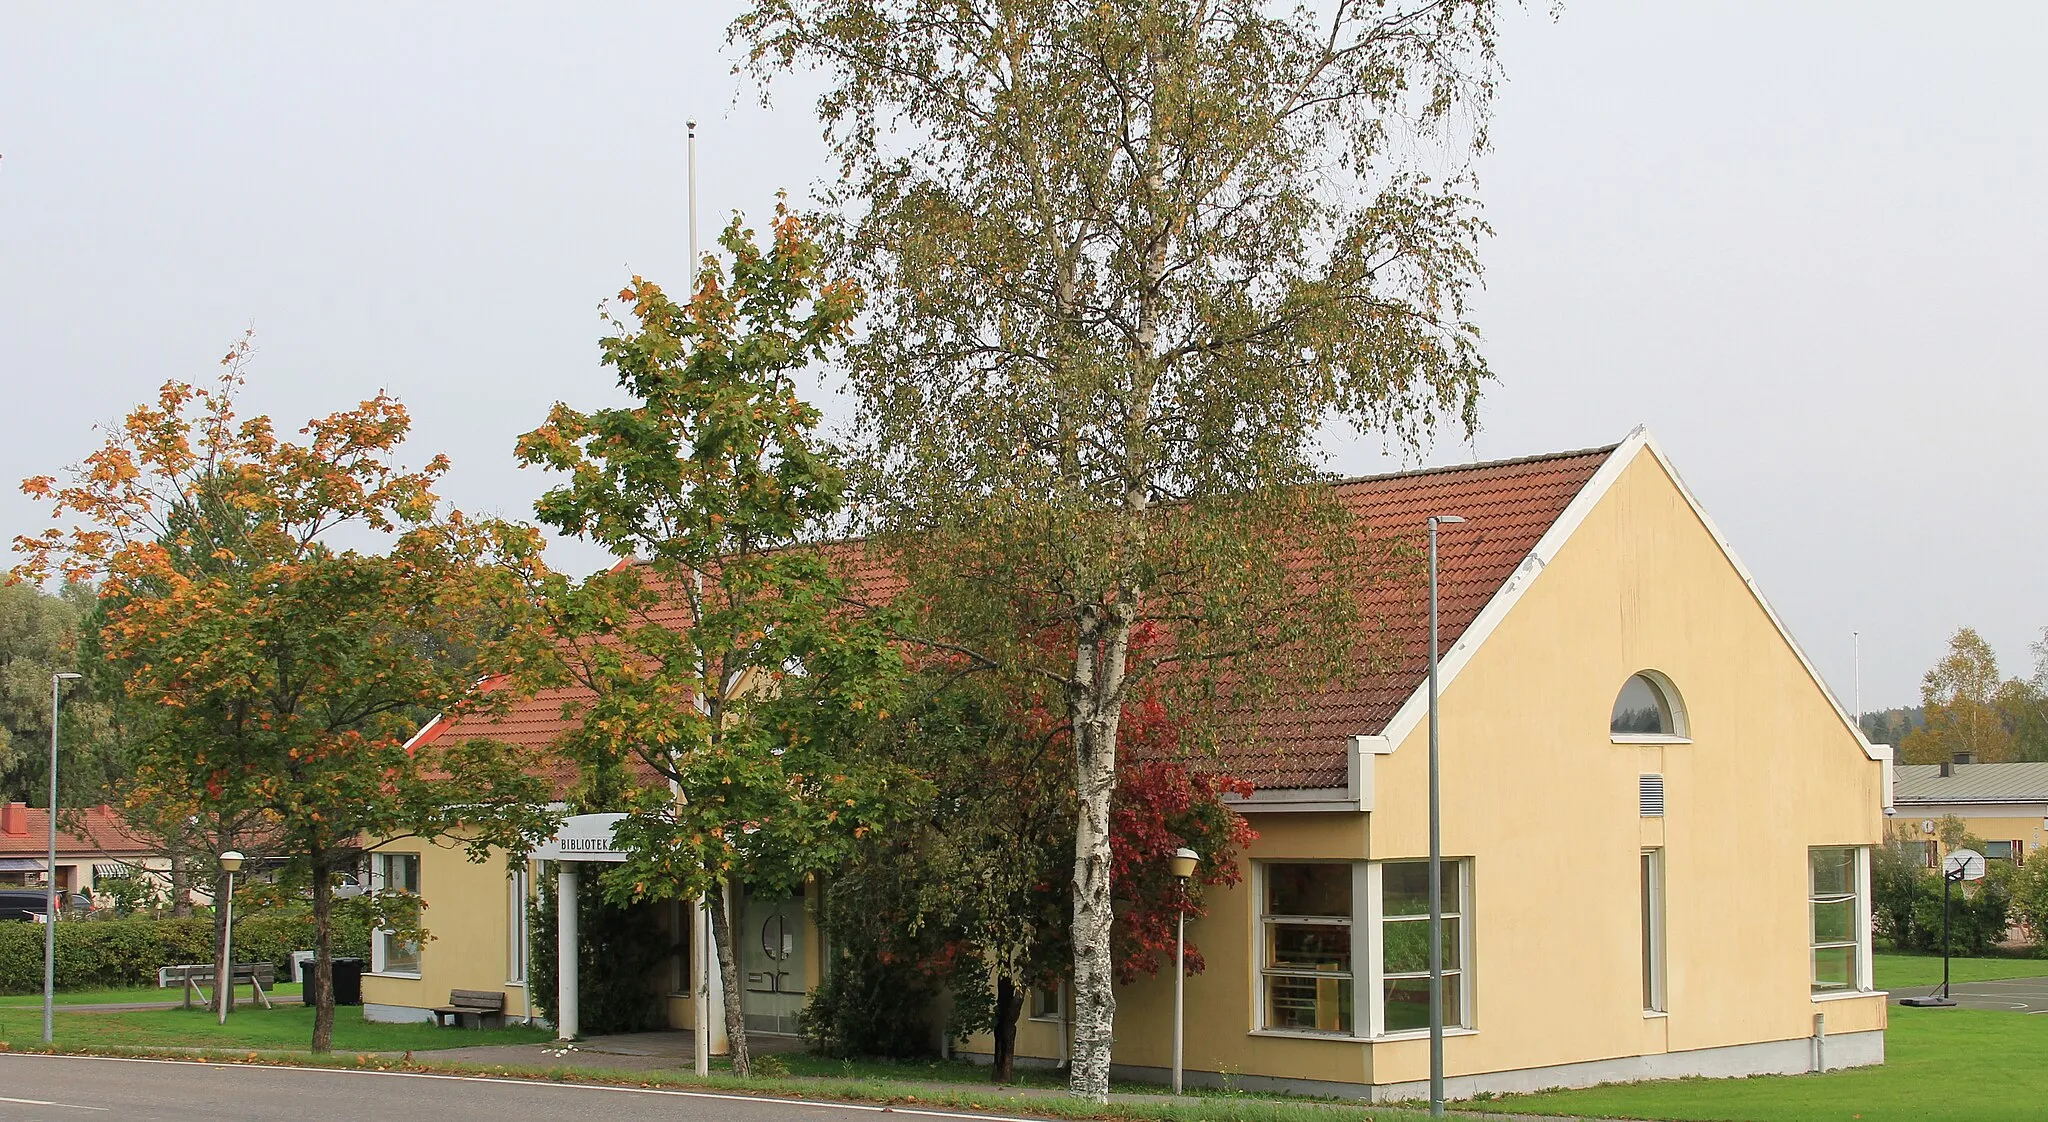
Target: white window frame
[(1650, 876), (380, 863), (1456, 1020), (1368, 947), (1260, 921), (1859, 876), (518, 929)]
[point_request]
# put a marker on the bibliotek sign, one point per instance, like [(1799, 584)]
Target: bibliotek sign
[(583, 837)]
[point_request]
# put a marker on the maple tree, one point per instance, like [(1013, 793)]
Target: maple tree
[(965, 887), (290, 611), (715, 655), (1127, 264)]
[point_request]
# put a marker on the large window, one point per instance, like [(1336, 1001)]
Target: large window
[(1404, 944), (1307, 969), (1835, 897), (395, 872), (1653, 930)]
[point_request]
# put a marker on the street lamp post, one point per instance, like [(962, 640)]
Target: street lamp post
[(1184, 862), (1436, 852), (224, 988), (50, 875)]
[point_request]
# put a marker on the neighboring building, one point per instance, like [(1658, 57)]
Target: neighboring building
[(97, 847), (2006, 805), (1684, 891)]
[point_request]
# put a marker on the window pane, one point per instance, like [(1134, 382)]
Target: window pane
[(1407, 945), (400, 955), (1640, 709), (1834, 870), (1408, 1002), (1301, 946), (1834, 968), (1308, 890), (1404, 887), (1313, 1004), (1998, 851), (1835, 922)]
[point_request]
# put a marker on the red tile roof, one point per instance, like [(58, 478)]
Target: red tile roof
[(1508, 506), (100, 829)]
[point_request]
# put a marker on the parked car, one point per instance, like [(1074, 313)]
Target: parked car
[(23, 905)]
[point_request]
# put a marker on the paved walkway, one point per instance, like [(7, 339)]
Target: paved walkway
[(2018, 995)]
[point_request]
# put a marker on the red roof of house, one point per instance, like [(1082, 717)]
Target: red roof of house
[(100, 829), (1508, 506)]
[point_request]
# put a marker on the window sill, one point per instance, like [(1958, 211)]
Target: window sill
[(1647, 738), (1306, 1034), (1656, 1014), (1420, 1034), (1848, 995), (512, 984), (399, 974), (1046, 1020)]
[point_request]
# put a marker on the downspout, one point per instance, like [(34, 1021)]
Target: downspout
[(1820, 1042)]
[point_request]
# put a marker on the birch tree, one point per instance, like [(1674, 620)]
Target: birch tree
[(1125, 262)]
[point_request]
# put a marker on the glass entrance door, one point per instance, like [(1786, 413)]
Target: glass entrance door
[(772, 957)]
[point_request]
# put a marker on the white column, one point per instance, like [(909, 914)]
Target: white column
[(700, 986), (567, 940)]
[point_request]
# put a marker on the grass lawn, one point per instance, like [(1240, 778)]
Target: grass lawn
[(137, 994), (1941, 1065), (287, 1027), (1900, 971)]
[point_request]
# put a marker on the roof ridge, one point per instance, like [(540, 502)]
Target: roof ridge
[(1447, 469)]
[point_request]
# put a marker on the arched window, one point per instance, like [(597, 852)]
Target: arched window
[(1647, 706)]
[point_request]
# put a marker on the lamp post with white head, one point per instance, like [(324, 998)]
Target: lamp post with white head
[(224, 988), (50, 872), (1436, 851), (1184, 862)]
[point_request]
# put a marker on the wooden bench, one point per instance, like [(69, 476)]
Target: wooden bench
[(258, 976), (485, 1005)]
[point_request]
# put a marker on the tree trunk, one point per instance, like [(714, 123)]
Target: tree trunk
[(323, 948), (1007, 1007), (181, 885), (223, 970), (729, 978), (1094, 705)]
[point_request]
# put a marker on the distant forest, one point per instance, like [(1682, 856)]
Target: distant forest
[(1890, 726)]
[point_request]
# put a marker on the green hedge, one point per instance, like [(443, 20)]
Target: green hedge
[(103, 954)]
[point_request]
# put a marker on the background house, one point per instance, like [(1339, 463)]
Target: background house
[(2004, 804), (93, 844)]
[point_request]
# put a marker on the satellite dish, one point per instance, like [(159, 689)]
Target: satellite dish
[(1963, 864)]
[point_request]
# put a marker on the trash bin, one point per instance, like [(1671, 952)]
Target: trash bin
[(348, 981)]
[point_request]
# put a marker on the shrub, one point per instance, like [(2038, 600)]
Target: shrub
[(867, 1006), (104, 954), (620, 949)]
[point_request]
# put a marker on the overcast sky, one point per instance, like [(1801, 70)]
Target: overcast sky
[(1801, 241)]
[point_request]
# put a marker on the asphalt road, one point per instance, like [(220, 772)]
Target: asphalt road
[(82, 1088)]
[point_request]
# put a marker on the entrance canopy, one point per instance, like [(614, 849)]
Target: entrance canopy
[(583, 837)]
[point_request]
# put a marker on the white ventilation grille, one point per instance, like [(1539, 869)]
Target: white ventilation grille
[(1652, 796)]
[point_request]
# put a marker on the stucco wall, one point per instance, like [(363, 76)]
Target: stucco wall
[(466, 916)]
